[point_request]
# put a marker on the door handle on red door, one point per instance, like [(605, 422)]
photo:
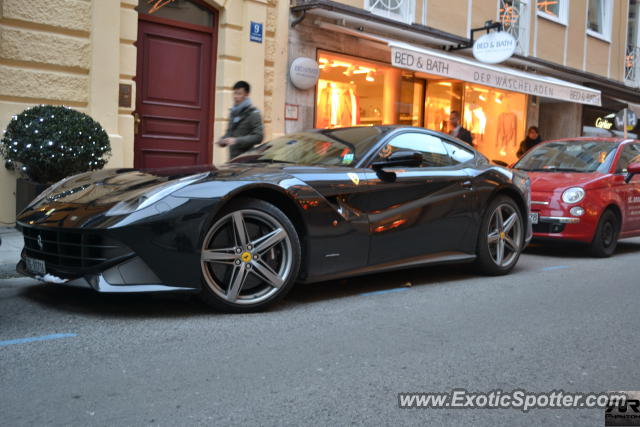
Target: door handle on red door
[(136, 122), (467, 184)]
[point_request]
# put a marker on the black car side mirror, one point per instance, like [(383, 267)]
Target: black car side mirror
[(632, 169), (399, 158)]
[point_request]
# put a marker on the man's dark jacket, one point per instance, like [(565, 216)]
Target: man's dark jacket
[(465, 135), (246, 127)]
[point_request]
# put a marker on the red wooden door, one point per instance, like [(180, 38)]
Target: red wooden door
[(174, 94)]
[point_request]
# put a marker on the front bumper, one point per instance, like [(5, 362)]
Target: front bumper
[(559, 220), (127, 277), (554, 223)]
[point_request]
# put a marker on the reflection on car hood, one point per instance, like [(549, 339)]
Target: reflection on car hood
[(109, 186), (550, 181)]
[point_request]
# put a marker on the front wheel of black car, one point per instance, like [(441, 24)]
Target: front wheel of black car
[(250, 257), (501, 237)]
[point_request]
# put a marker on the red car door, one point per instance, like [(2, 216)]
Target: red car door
[(630, 193)]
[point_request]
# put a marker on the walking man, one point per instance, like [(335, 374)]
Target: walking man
[(456, 128), (245, 123)]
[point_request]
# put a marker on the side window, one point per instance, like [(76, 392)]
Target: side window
[(433, 152), (630, 154), (457, 153)]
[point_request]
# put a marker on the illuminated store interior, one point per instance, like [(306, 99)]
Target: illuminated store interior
[(357, 92)]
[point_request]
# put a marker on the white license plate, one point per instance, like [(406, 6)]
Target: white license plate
[(36, 265), (533, 217)]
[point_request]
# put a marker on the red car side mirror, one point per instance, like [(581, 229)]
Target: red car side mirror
[(632, 169)]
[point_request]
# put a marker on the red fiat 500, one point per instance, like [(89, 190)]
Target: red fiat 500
[(586, 190)]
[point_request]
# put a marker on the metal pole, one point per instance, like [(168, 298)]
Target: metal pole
[(624, 120)]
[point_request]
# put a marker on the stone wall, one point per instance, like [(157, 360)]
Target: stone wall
[(78, 52), (263, 65), (560, 120), (45, 58)]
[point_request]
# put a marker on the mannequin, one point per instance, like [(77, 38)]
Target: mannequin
[(507, 129)]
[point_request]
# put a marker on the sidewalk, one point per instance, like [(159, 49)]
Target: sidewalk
[(9, 251)]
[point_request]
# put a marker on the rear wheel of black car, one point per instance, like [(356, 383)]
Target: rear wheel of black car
[(606, 238), (501, 237), (250, 257)]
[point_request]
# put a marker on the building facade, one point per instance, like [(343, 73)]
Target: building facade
[(159, 83), (410, 62)]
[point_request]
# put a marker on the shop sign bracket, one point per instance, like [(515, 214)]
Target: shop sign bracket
[(488, 26)]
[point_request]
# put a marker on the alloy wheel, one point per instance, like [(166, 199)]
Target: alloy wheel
[(246, 257), (505, 235)]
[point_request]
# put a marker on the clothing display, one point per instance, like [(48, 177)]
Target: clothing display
[(338, 105), (507, 132), (475, 120)]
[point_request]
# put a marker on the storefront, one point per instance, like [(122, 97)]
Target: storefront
[(368, 79), (352, 91), (600, 121)]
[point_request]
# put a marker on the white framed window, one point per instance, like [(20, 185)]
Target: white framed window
[(514, 17), (400, 10), (632, 58), (554, 10), (599, 19)]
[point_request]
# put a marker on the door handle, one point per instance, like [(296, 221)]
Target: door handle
[(136, 122), (467, 184)]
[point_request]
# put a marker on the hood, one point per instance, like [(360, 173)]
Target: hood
[(551, 181), (87, 195), (110, 186)]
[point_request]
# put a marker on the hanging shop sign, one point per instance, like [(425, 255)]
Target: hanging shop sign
[(304, 73), (495, 47), (431, 62), (632, 119)]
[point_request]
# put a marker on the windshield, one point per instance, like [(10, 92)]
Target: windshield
[(569, 156), (336, 147)]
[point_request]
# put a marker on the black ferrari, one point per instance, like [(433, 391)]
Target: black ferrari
[(304, 207)]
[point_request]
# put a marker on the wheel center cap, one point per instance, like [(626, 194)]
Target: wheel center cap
[(502, 235), (246, 256)]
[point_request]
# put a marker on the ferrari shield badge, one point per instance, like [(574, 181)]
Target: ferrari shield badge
[(354, 178)]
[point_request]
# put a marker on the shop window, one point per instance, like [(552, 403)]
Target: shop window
[(354, 92), (496, 120), (443, 97), (599, 18), (600, 121), (400, 10), (431, 147), (180, 10), (556, 10), (357, 92)]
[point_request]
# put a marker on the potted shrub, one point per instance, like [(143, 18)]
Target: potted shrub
[(48, 143)]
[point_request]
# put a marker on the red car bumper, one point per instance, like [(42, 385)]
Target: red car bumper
[(555, 221)]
